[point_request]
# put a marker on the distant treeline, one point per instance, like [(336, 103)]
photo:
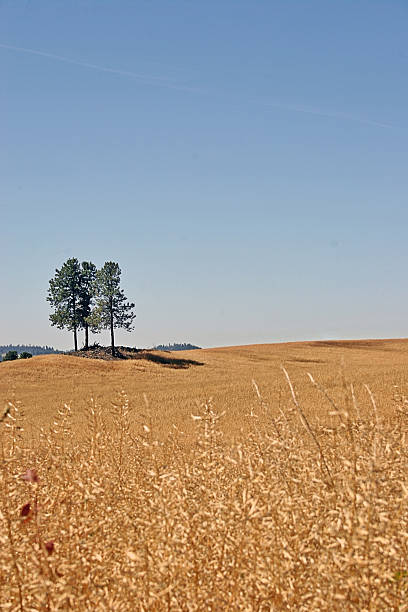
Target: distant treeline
[(27, 348), (185, 346)]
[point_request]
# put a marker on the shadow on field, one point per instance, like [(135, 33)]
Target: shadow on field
[(382, 345), (171, 362), (300, 360)]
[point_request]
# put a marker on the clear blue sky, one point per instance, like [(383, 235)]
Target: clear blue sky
[(244, 161)]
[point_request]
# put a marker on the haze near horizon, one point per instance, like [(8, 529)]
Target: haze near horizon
[(243, 162)]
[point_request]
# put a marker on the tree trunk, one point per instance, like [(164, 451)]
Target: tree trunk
[(75, 321), (112, 332), (86, 336)]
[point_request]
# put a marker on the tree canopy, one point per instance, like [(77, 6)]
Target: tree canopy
[(33, 349), (112, 308), (10, 356), (84, 297), (64, 295)]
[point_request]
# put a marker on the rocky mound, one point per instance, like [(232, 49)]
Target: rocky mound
[(126, 352)]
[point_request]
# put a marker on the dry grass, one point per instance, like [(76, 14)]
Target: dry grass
[(287, 494)]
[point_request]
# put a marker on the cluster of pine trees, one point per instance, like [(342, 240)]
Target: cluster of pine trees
[(84, 297), (176, 346), (30, 348), (13, 355)]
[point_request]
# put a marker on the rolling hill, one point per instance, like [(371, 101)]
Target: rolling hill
[(137, 484), (45, 383)]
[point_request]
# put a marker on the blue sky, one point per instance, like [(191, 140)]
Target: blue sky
[(244, 161)]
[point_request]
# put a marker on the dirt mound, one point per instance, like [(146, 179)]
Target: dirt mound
[(127, 352)]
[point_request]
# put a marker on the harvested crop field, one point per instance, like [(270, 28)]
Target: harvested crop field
[(228, 483)]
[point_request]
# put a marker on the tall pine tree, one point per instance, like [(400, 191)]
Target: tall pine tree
[(112, 308), (64, 296), (86, 297)]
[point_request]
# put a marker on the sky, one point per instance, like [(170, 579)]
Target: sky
[(244, 161)]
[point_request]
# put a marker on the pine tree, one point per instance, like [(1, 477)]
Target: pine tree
[(86, 296), (64, 296), (112, 309)]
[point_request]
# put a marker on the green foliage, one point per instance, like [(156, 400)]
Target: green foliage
[(112, 308), (87, 291), (71, 294), (111, 304), (90, 299), (86, 297), (31, 348), (10, 356), (64, 294), (25, 355), (176, 346)]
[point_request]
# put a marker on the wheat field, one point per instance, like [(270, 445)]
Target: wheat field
[(265, 477)]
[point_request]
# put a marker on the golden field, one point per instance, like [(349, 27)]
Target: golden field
[(135, 485)]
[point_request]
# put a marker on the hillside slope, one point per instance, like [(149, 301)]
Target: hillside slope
[(44, 383), (112, 508)]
